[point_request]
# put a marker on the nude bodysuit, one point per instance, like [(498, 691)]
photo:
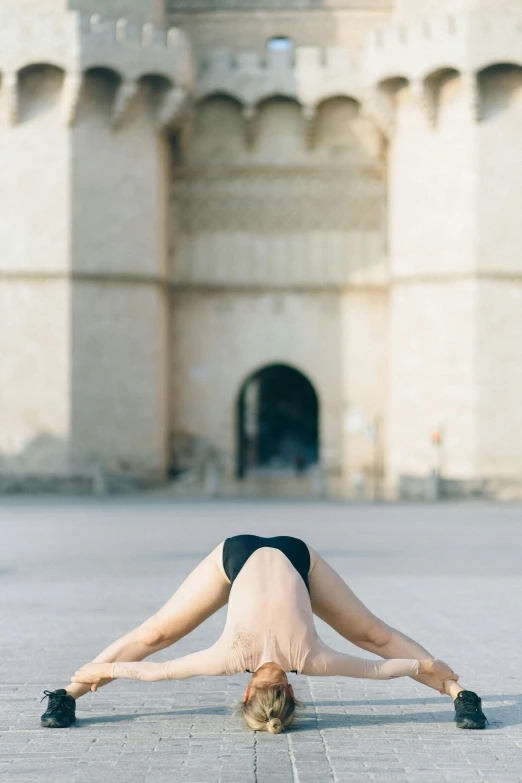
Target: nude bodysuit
[(269, 619)]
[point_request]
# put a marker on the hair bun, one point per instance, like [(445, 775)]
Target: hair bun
[(274, 726)]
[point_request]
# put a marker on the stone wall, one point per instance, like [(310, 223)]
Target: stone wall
[(278, 255), (35, 309), (250, 31), (453, 344), (196, 6), (83, 275)]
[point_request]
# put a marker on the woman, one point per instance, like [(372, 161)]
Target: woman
[(272, 586)]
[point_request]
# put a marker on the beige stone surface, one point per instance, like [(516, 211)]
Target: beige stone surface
[(434, 168), (499, 160), (365, 334), (118, 378), (35, 198), (499, 378), (122, 175), (35, 369), (433, 378)]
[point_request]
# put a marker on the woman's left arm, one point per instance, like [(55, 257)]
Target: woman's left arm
[(327, 662)]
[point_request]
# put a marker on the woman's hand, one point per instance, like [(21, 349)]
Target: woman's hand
[(93, 674), (438, 669)]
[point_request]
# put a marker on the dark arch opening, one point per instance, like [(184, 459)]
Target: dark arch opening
[(277, 421)]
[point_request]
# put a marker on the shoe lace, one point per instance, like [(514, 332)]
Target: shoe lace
[(46, 695), (470, 700)]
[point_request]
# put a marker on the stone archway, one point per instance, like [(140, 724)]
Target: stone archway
[(277, 421)]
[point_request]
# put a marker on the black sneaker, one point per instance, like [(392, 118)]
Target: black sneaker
[(468, 711), (61, 710)]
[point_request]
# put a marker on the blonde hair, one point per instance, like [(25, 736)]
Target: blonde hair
[(270, 709)]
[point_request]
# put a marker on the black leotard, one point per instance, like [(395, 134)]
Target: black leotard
[(238, 549)]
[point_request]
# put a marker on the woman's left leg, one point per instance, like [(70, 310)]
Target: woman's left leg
[(334, 602)]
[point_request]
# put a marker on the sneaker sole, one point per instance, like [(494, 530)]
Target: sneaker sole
[(470, 724), (51, 723)]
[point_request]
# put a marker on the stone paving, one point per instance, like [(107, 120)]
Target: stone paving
[(75, 574)]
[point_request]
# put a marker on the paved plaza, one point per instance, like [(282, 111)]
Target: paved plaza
[(75, 574)]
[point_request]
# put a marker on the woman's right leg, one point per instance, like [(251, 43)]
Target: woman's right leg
[(334, 602), (203, 592)]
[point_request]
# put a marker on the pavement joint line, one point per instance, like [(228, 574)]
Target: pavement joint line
[(321, 731), (291, 752)]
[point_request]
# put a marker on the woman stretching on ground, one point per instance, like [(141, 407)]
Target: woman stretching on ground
[(272, 586)]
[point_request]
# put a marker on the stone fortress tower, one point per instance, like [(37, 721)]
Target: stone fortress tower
[(264, 234)]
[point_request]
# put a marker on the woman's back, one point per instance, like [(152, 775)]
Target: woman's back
[(269, 613)]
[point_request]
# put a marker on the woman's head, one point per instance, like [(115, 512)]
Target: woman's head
[(269, 703)]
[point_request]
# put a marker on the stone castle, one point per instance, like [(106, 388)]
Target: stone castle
[(272, 235)]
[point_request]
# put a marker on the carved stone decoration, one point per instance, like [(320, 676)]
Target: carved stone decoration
[(72, 86), (470, 86), (309, 114), (125, 95), (329, 198), (250, 115), (379, 107), (173, 106), (10, 97), (426, 99)]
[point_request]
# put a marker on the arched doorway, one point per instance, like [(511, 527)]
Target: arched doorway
[(278, 421)]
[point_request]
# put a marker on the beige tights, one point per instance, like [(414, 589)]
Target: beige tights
[(206, 590)]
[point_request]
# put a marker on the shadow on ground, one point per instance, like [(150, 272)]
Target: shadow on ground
[(500, 716)]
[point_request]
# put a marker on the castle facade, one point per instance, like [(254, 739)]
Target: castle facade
[(276, 236)]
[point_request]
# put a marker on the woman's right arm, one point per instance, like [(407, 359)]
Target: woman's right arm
[(210, 662)]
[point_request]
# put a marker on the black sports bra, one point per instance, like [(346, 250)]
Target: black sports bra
[(238, 549)]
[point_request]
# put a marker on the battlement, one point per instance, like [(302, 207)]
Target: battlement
[(309, 74), (136, 49), (467, 41), (76, 42)]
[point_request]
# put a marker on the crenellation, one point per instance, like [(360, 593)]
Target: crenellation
[(465, 41), (81, 44), (78, 42), (309, 75), (121, 30)]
